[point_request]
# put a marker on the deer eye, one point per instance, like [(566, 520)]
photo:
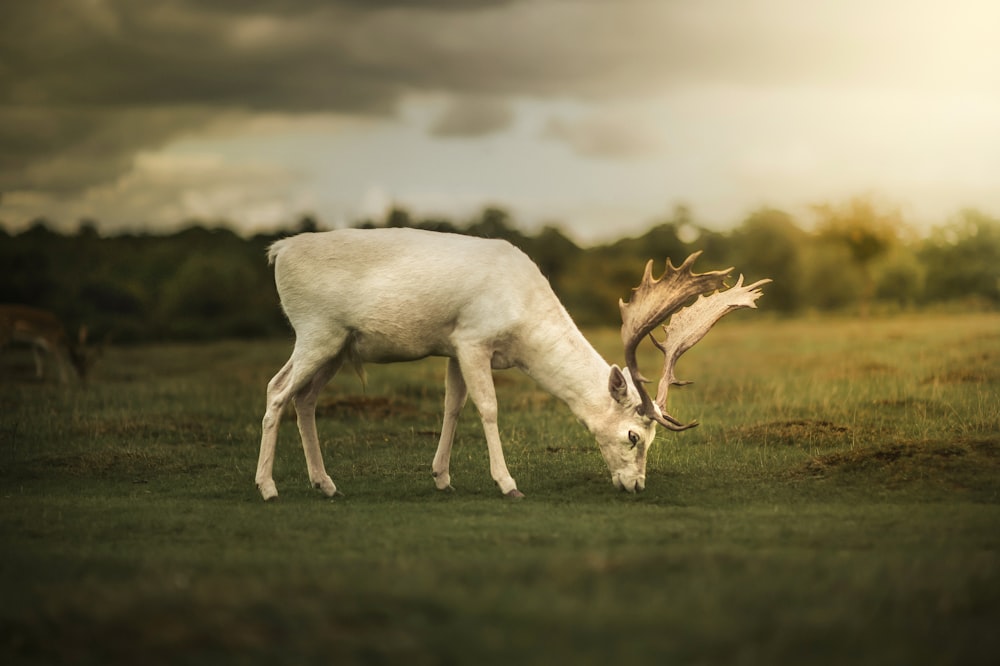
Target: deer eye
[(633, 438)]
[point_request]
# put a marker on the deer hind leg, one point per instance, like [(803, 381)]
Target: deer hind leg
[(38, 351), (455, 393), (305, 409), (478, 373), (299, 371), (36, 354), (277, 398)]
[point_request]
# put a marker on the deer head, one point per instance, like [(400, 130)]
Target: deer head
[(680, 296)]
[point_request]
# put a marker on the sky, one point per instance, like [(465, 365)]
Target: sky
[(598, 117)]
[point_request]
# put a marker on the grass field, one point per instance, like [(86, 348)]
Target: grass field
[(840, 503)]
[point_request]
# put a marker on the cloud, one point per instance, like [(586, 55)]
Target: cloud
[(473, 117), (66, 150), (86, 86), (606, 135), (165, 190), (363, 56)]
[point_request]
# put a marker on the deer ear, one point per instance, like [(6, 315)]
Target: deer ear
[(618, 385)]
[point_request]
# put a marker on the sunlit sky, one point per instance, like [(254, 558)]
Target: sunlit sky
[(600, 117)]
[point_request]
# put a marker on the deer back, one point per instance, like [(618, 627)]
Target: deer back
[(405, 294)]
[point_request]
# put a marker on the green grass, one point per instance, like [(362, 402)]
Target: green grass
[(839, 503)]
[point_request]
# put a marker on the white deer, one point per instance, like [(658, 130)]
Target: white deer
[(391, 295), (45, 333)]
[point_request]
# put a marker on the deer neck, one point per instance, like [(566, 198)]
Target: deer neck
[(565, 364)]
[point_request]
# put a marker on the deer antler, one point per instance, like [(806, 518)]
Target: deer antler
[(690, 324), (653, 301)]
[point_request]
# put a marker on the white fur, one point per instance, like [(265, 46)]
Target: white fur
[(392, 295)]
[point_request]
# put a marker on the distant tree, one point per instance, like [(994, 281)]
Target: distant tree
[(210, 295), (398, 217), (39, 229), (828, 279), (554, 253), (661, 241), (769, 244), (493, 222), (437, 224), (27, 276), (87, 230), (866, 232), (307, 224), (899, 277), (962, 259), (593, 285)]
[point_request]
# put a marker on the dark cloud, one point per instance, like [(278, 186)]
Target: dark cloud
[(314, 55), (173, 54), (84, 86), (64, 150), (472, 117)]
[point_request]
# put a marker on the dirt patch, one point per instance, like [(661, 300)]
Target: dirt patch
[(796, 432), (364, 406), (956, 464), (875, 368), (854, 369)]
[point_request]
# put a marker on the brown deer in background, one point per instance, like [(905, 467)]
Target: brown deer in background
[(45, 333)]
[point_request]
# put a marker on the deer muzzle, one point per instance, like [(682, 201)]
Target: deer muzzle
[(629, 481)]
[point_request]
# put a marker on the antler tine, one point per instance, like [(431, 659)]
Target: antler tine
[(690, 324), (652, 302)]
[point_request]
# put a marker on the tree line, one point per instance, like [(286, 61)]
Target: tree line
[(206, 283)]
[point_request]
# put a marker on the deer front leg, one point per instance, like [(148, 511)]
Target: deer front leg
[(478, 373), (455, 393)]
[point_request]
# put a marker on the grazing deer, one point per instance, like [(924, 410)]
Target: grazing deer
[(45, 333), (389, 295)]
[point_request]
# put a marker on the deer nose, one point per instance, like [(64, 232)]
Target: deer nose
[(632, 485)]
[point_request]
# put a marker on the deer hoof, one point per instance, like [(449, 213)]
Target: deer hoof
[(514, 494), (268, 490), (327, 487), (442, 480)]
